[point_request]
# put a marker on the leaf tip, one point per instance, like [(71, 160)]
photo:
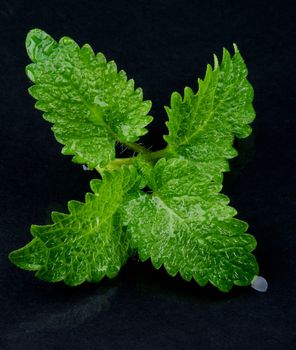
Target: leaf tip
[(16, 258), (39, 44), (226, 56), (28, 257), (216, 62), (236, 50), (11, 256)]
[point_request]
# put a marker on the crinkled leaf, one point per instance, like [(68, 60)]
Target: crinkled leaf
[(188, 226), (89, 242), (202, 126), (89, 102)]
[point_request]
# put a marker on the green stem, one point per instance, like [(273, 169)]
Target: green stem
[(145, 154), (115, 164), (136, 147), (156, 155)]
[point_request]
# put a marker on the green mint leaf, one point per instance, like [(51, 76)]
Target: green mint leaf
[(202, 126), (188, 226), (89, 242), (90, 103)]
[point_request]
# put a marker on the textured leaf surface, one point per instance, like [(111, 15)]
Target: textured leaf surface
[(187, 226), (86, 244), (202, 126), (89, 102)]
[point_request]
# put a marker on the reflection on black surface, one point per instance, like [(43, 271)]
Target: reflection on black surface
[(68, 311)]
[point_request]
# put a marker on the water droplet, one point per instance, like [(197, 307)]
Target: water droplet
[(84, 167), (259, 283)]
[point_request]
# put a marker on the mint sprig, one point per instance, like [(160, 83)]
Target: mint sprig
[(183, 222)]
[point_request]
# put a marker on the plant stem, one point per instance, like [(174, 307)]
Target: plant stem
[(144, 152), (114, 164), (118, 162), (136, 147)]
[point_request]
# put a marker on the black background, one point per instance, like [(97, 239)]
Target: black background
[(164, 46)]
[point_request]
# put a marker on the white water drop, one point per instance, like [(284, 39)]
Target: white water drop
[(259, 283), (84, 167)]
